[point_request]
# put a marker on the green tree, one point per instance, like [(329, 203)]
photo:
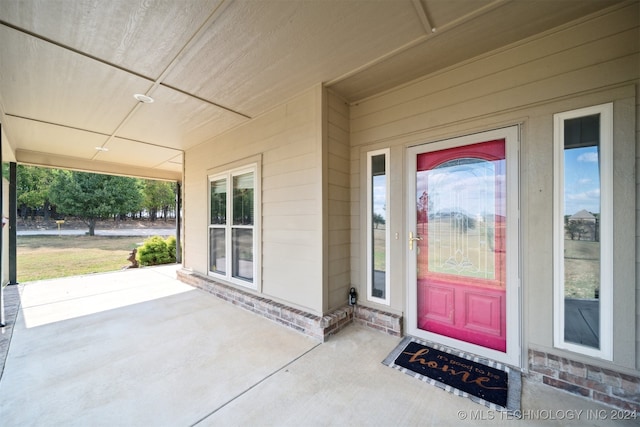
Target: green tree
[(92, 197), (158, 195), (378, 219), (575, 229), (32, 189)]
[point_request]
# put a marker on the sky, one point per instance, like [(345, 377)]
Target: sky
[(380, 195), (468, 188), (581, 180)]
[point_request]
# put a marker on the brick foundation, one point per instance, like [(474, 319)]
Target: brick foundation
[(596, 383), (380, 320), (319, 327)]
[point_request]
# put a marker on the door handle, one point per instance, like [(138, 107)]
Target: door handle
[(413, 239)]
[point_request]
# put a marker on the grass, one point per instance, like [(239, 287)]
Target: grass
[(581, 268), (379, 249), (48, 257)]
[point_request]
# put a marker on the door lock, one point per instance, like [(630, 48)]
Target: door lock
[(412, 239)]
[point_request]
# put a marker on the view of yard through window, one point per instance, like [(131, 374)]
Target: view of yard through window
[(581, 268)]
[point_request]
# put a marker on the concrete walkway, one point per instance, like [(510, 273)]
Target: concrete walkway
[(139, 348)]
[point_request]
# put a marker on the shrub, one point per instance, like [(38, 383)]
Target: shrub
[(155, 250), (171, 247)]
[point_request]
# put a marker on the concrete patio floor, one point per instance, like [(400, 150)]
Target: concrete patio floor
[(139, 348)]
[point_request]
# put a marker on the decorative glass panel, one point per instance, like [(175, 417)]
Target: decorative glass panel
[(465, 204), (242, 247), (217, 250), (378, 226), (581, 230), (243, 199), (219, 202)]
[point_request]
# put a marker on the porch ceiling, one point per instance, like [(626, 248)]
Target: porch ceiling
[(69, 68)]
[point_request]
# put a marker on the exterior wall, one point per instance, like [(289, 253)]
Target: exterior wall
[(589, 62), (337, 180), (286, 142)]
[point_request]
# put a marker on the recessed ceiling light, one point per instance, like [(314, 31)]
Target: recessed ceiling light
[(143, 98), (102, 149)]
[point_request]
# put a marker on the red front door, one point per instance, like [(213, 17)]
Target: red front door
[(461, 262)]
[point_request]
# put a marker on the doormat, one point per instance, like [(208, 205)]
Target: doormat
[(486, 382)]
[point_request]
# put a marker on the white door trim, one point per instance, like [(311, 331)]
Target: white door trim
[(513, 301)]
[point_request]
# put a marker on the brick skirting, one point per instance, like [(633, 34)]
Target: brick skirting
[(599, 384), (380, 320), (319, 327)]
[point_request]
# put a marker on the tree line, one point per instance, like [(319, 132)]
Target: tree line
[(90, 197)]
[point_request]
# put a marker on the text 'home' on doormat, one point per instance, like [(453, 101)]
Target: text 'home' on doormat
[(489, 385)]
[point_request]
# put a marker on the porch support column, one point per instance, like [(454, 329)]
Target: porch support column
[(13, 216), (178, 221)]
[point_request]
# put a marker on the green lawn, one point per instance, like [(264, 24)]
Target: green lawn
[(47, 257), (581, 268)]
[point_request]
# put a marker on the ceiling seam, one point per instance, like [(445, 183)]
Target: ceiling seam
[(446, 27), (74, 50), (157, 82), (154, 82), (56, 124), (474, 14), (150, 144), (90, 131), (378, 60), (112, 136), (213, 16), (205, 100), (421, 10), (136, 171), (158, 165), (109, 136)]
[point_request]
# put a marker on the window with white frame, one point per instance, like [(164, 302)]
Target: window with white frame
[(583, 231), (233, 212), (378, 230)]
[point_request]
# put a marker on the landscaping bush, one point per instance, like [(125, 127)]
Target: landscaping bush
[(157, 250), (171, 246)]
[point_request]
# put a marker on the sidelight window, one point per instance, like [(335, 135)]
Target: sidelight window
[(583, 230), (378, 230)]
